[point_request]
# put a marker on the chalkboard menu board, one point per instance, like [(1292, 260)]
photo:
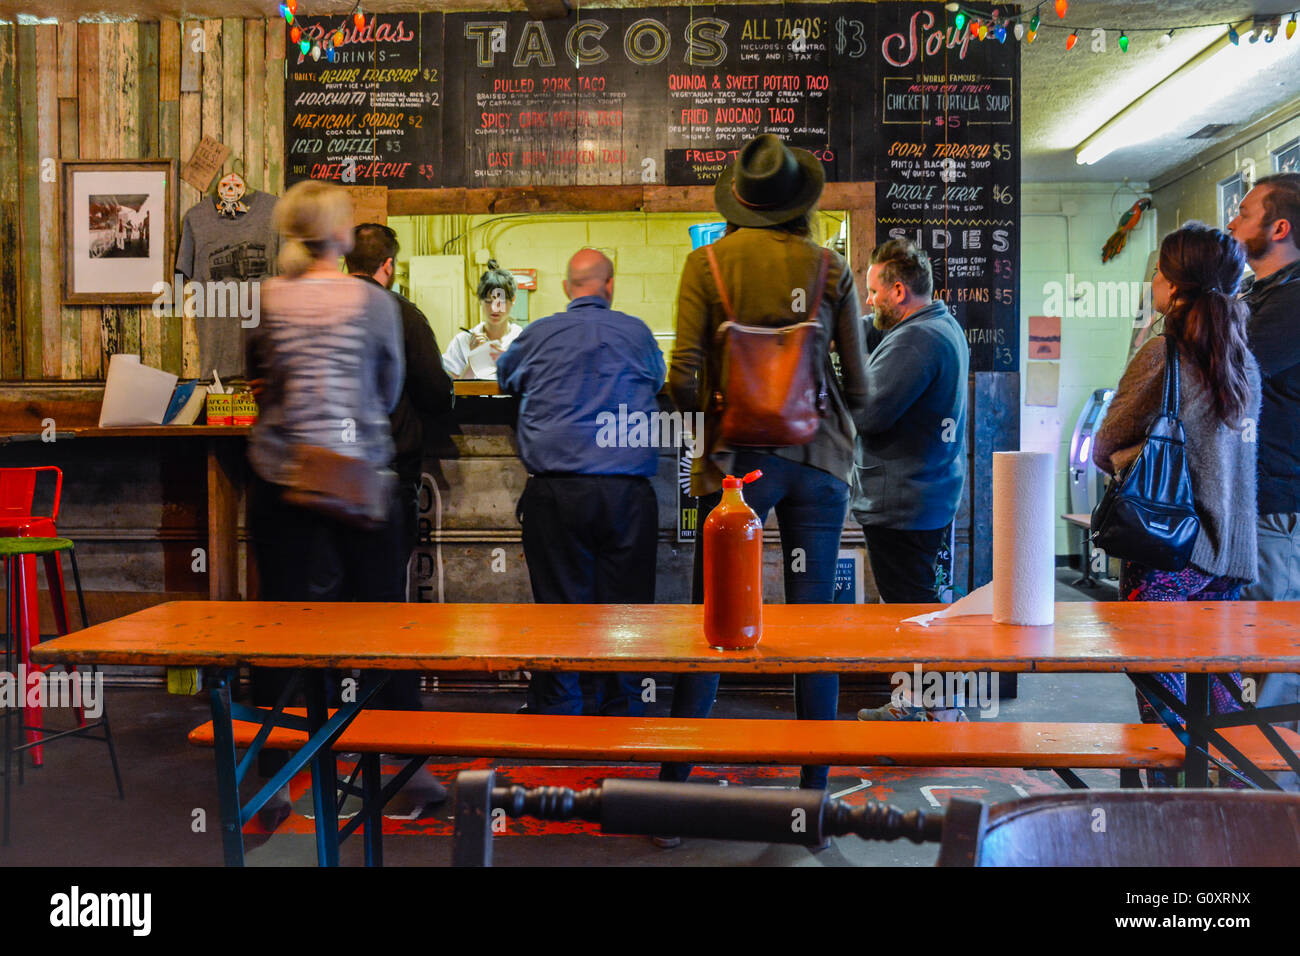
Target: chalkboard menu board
[(889, 93), (948, 167), (372, 115)]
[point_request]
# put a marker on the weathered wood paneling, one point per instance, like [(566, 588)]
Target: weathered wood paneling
[(69, 148), (118, 90), (169, 144), (11, 346), (232, 91), (29, 200), (273, 124), (88, 88), (192, 40), (47, 151), (253, 104)]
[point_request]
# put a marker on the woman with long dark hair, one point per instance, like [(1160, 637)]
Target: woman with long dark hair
[(1195, 289)]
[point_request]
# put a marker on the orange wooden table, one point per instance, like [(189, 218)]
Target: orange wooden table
[(1140, 639)]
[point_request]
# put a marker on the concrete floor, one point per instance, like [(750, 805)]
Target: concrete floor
[(67, 813)]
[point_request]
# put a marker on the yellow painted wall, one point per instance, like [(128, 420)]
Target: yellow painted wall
[(648, 250)]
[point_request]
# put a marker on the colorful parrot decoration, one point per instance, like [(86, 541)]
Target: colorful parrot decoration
[(1127, 223)]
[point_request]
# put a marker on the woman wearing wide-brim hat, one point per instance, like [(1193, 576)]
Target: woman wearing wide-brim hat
[(767, 197)]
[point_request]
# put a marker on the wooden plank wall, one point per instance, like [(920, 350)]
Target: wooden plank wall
[(118, 91)]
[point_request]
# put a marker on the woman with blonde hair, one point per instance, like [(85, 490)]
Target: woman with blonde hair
[(328, 349)]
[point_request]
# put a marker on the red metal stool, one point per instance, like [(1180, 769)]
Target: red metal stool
[(23, 614), (19, 520)]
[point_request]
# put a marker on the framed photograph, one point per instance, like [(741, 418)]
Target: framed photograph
[(118, 229), (1231, 192), (1286, 159)]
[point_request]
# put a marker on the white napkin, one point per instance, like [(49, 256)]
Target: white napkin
[(979, 603)]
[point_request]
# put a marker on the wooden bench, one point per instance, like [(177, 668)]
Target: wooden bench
[(1060, 747)]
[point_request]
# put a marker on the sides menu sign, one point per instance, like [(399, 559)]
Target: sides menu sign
[(889, 93), (948, 167)]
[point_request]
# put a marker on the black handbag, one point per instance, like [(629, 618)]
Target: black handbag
[(1147, 514)]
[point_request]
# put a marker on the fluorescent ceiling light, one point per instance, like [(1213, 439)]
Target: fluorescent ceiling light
[(1216, 72)]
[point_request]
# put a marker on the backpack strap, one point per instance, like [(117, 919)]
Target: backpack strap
[(717, 280), (822, 272), (823, 269)]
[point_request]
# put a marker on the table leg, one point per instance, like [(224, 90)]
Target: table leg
[(1198, 730), (223, 735), (324, 774), (1197, 765), (225, 462), (374, 826)]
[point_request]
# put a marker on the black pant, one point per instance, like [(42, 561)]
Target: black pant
[(303, 555), (589, 539), (904, 563)]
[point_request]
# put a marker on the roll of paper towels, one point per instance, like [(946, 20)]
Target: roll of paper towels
[(1024, 545)]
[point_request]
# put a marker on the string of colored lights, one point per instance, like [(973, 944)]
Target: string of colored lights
[(314, 49), (982, 24)]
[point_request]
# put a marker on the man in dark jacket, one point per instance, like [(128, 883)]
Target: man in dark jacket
[(426, 396), (911, 442), (1268, 226), (427, 393)]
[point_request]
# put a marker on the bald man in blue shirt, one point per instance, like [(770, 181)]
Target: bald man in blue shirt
[(589, 514)]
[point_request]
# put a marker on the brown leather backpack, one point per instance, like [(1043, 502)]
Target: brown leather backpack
[(771, 378)]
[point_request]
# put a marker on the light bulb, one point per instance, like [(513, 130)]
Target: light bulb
[(1071, 40), (959, 21), (1020, 31), (1165, 38), (1123, 42), (1061, 7)]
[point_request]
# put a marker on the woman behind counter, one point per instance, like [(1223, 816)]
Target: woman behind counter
[(496, 296)]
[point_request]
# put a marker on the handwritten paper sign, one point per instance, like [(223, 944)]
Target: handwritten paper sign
[(369, 203), (1044, 337), (206, 162)]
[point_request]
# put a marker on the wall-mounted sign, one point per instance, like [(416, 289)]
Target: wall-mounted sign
[(1044, 337), (209, 156), (887, 93)]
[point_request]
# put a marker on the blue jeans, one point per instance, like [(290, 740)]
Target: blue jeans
[(811, 506)]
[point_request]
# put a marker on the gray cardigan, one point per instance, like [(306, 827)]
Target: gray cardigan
[(911, 444), (1221, 459)]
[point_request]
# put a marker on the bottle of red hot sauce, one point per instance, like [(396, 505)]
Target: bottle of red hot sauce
[(733, 570)]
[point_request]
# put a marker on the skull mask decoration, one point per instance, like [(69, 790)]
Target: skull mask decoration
[(230, 192)]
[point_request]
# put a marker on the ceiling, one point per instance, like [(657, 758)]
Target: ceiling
[(1066, 95)]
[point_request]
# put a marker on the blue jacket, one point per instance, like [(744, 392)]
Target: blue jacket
[(911, 444), (573, 370)]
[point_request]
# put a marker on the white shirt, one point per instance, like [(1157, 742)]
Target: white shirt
[(456, 358)]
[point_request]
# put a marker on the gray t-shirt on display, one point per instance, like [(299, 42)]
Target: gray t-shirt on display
[(216, 248)]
